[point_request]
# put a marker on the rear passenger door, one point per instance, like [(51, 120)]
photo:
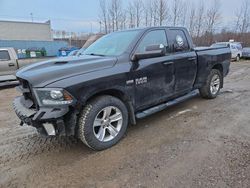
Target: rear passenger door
[(184, 58)]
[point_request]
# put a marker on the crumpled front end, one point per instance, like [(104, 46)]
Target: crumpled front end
[(49, 121)]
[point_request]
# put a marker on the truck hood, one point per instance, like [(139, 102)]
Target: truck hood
[(47, 72)]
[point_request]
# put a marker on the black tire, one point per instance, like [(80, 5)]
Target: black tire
[(238, 58), (88, 115), (205, 91)]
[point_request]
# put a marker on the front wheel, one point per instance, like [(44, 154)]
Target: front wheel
[(103, 122), (213, 85)]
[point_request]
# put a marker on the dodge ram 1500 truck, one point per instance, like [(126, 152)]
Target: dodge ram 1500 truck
[(122, 77)]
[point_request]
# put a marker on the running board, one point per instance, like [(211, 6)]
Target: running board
[(163, 106)]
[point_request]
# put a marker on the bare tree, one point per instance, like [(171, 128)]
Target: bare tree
[(115, 13), (176, 11), (110, 24), (243, 17), (213, 16), (200, 18), (246, 16), (151, 6), (123, 20), (192, 21), (131, 15), (183, 14), (138, 6), (162, 11), (112, 15), (238, 16), (147, 11), (104, 14), (212, 20), (154, 13)]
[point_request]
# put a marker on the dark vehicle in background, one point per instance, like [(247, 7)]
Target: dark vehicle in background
[(122, 77), (246, 53), (73, 53), (65, 51)]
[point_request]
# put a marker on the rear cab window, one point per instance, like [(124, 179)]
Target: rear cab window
[(4, 55), (177, 41)]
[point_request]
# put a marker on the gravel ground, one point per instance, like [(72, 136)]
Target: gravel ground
[(199, 143)]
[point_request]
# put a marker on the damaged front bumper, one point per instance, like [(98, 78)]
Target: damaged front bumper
[(49, 121)]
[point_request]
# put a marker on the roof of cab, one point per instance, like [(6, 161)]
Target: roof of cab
[(149, 28)]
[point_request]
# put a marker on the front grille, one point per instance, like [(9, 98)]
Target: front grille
[(25, 89)]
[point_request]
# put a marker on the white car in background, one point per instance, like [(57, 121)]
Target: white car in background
[(235, 47), (9, 64)]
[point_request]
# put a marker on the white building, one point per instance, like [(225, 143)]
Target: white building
[(29, 31)]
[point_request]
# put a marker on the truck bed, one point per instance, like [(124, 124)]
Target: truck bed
[(211, 56)]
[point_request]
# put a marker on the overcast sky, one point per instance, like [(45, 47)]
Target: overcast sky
[(80, 15)]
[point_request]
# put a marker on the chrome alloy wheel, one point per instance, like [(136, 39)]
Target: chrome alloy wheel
[(107, 124), (215, 84)]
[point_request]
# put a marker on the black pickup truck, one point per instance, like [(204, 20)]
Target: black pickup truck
[(122, 77)]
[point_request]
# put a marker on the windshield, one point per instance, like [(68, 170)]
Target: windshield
[(113, 44)]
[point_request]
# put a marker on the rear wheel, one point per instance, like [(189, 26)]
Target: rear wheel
[(103, 122), (213, 85)]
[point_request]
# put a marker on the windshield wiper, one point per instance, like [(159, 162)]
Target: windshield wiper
[(93, 54)]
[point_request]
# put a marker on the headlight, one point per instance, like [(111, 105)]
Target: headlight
[(49, 96)]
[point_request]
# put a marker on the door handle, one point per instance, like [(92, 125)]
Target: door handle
[(191, 58), (11, 64), (168, 63)]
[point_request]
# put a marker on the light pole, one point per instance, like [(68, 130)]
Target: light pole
[(31, 14), (91, 27)]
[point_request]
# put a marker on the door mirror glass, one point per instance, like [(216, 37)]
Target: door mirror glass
[(155, 47), (151, 51)]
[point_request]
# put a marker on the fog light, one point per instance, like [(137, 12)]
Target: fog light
[(50, 129)]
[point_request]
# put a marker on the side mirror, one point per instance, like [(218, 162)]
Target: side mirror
[(150, 52)]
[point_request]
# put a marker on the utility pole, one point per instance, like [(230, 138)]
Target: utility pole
[(31, 14), (100, 26), (91, 27)]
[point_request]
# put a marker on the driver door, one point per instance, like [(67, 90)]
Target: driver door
[(153, 77)]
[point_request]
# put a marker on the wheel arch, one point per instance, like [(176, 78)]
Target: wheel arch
[(219, 67), (120, 95)]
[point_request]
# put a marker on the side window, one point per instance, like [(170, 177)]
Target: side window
[(4, 55), (178, 41), (152, 38)]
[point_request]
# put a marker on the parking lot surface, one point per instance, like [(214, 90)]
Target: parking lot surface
[(199, 143)]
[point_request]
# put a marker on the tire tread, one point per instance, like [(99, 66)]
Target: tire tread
[(205, 90), (86, 116)]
